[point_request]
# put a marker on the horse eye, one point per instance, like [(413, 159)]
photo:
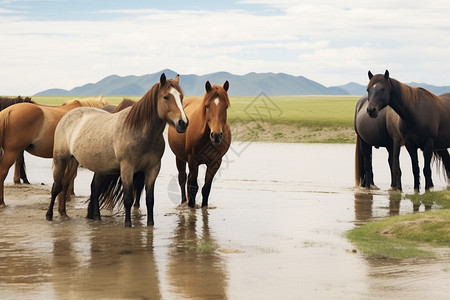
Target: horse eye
[(166, 97)]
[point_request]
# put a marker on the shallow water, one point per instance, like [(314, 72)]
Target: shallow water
[(275, 228)]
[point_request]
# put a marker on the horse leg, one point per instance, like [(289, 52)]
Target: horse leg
[(150, 178), (59, 167), (427, 155), (5, 163), (94, 207), (366, 150), (70, 173), (139, 182), (182, 177), (445, 157), (126, 175), (19, 169), (397, 172), (211, 170), (412, 150), (192, 183)]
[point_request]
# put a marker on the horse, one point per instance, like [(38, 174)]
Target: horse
[(424, 124), (127, 142), (382, 131), (30, 127), (19, 165), (206, 140), (115, 108)]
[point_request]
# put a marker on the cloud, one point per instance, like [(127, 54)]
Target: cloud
[(332, 43)]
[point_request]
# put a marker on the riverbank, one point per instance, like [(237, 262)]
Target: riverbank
[(253, 131)]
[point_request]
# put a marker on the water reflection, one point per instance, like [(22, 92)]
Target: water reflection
[(195, 268), (112, 263), (364, 205)]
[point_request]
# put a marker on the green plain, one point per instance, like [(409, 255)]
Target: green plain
[(312, 111)]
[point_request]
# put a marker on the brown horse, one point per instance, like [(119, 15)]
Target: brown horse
[(127, 143), (205, 142), (30, 127), (382, 131), (19, 165), (425, 119)]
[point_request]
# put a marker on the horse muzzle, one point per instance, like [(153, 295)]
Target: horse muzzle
[(372, 112), (181, 126), (216, 138)]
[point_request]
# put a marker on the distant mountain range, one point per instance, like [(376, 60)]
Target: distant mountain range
[(251, 84)]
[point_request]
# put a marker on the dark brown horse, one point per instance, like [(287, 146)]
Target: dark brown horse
[(127, 142), (206, 140), (19, 166), (424, 124), (382, 131)]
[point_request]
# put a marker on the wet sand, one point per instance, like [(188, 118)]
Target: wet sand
[(274, 229)]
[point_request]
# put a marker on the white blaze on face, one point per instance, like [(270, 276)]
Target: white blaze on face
[(176, 94), (216, 101)]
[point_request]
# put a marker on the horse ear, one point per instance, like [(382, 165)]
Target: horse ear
[(177, 79), (162, 79), (386, 74), (208, 86), (370, 75), (226, 86)]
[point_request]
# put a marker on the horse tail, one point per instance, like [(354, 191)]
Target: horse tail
[(111, 193), (4, 118), (442, 158), (359, 162)]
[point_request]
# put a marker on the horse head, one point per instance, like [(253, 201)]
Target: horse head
[(170, 107), (378, 92), (215, 103)]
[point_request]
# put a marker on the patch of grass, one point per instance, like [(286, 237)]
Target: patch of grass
[(408, 236), (202, 246)]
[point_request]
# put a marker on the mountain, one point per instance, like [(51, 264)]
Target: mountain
[(251, 84)]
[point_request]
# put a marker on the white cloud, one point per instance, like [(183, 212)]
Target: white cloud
[(327, 41)]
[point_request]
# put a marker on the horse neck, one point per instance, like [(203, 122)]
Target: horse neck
[(399, 102)]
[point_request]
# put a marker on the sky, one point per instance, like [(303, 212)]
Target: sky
[(68, 43)]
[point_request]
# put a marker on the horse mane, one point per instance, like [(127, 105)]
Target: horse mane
[(8, 101), (141, 111), (91, 102)]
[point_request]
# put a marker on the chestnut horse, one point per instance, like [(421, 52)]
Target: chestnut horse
[(205, 142), (382, 131), (424, 124), (30, 127), (19, 165), (127, 142)]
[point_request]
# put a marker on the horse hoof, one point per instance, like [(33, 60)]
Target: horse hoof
[(128, 224), (49, 218)]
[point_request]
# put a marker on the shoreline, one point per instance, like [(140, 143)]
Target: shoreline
[(290, 133)]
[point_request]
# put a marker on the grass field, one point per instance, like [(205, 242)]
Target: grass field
[(323, 119), (408, 236)]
